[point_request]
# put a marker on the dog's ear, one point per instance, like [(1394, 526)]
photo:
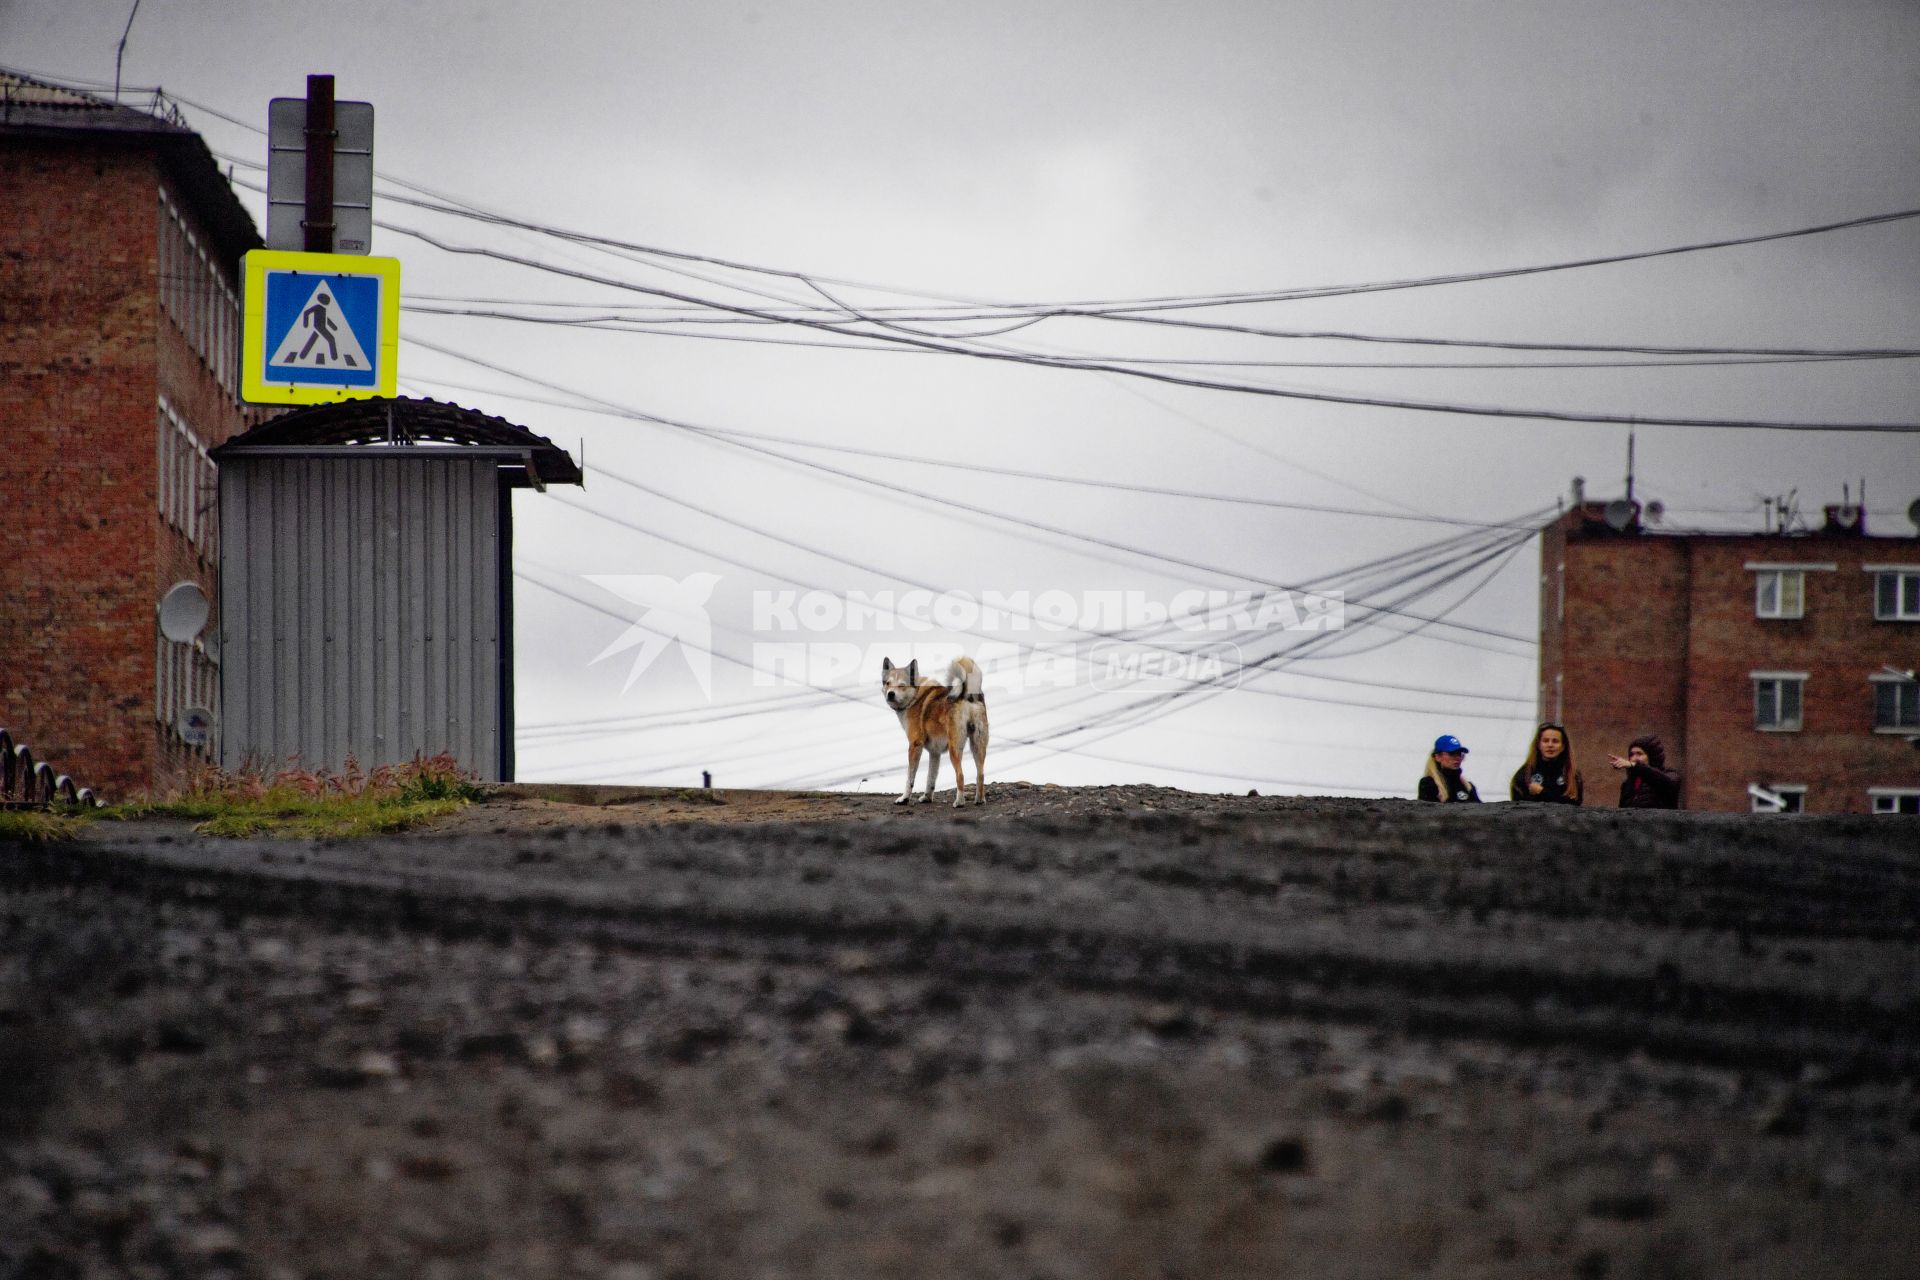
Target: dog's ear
[(886, 667), (913, 672)]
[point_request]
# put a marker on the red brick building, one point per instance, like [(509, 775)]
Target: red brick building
[(120, 248), (1779, 660)]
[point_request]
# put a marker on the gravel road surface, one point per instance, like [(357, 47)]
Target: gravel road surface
[(1103, 1033)]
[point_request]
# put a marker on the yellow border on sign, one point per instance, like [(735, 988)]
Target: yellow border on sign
[(254, 388)]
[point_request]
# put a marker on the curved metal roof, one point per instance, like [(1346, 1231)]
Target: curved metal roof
[(400, 422)]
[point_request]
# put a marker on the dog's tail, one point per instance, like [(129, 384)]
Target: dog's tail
[(963, 680)]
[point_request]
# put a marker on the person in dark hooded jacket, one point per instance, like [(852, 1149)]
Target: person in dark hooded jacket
[(1648, 784)]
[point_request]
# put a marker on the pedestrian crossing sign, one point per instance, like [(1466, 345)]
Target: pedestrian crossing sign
[(320, 327)]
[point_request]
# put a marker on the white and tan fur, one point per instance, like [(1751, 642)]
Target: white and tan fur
[(940, 717)]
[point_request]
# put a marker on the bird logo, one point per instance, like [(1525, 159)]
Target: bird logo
[(673, 611)]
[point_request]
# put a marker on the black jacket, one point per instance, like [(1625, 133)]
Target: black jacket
[(1649, 787), (1553, 784), (1459, 790)]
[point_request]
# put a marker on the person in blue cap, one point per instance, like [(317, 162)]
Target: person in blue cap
[(1443, 781)]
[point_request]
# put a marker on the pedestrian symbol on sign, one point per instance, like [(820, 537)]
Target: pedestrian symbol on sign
[(321, 338), (319, 327)]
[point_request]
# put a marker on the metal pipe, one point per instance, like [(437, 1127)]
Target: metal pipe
[(320, 137)]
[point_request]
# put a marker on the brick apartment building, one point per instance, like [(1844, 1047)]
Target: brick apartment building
[(120, 251), (1779, 660)]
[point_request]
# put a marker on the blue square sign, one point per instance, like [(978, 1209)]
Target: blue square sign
[(320, 327)]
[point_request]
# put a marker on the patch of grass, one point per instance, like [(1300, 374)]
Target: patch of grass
[(334, 816), (309, 804), (40, 824)]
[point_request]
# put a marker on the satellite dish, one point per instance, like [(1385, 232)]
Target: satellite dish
[(1655, 510), (1913, 512), (196, 726), (183, 612), (1619, 514)]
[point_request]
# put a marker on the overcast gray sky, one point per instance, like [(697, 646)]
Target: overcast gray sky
[(1075, 151)]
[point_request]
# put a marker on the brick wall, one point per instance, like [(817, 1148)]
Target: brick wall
[(84, 554), (1624, 639), (1553, 555), (1836, 755), (77, 390), (1659, 635)]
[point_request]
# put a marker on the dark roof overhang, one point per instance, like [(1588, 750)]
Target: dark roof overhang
[(404, 423)]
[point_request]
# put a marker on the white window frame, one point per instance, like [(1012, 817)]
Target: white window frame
[(189, 483), (1781, 678), (1770, 593), (1892, 796), (1775, 573), (1879, 678), (1899, 571), (1783, 789)]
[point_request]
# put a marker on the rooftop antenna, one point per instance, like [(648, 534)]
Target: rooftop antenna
[(1788, 510), (121, 52), (1629, 464)]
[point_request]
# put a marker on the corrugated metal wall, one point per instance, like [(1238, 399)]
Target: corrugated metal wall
[(360, 610)]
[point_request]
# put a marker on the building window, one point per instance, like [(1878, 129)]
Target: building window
[(1896, 594), (1894, 799), (1778, 797), (189, 484), (1896, 704), (186, 676), (1776, 700), (196, 294), (1780, 593)]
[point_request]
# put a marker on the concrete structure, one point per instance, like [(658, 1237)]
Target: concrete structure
[(120, 247), (366, 583), (1775, 660)]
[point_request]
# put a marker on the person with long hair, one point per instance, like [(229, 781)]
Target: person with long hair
[(1549, 775), (1442, 781)]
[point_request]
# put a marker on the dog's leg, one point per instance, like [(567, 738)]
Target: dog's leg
[(933, 773), (979, 736), (959, 774), (913, 770)]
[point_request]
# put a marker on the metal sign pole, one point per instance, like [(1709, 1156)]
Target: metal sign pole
[(320, 136)]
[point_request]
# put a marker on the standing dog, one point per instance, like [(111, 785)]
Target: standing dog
[(939, 717)]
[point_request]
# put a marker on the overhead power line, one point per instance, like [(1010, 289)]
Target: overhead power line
[(1135, 714), (896, 333), (950, 502), (1320, 397), (1681, 359), (1114, 307), (657, 317), (1021, 473)]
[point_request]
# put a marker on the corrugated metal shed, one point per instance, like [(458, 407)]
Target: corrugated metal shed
[(366, 585)]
